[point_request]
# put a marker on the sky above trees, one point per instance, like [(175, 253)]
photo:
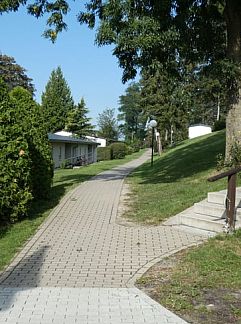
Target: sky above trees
[(91, 72)]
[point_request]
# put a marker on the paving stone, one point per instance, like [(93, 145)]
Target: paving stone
[(82, 257)]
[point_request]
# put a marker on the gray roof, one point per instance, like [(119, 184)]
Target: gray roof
[(68, 139)]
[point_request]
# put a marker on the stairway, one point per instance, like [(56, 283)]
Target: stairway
[(208, 216)]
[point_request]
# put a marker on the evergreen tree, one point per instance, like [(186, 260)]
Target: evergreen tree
[(57, 101), (13, 74), (77, 120)]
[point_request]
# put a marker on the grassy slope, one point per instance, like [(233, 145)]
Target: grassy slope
[(13, 237), (177, 180)]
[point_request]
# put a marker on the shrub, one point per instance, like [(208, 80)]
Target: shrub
[(15, 189), (26, 167), (103, 153), (118, 150), (219, 125), (41, 164)]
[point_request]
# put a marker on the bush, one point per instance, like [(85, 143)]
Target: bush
[(219, 125), (103, 153), (26, 167), (41, 167), (130, 150), (118, 150), (15, 172)]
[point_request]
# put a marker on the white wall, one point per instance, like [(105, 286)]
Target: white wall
[(198, 130)]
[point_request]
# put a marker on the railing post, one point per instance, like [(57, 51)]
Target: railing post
[(231, 196)]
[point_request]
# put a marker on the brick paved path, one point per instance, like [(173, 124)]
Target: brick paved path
[(81, 246)]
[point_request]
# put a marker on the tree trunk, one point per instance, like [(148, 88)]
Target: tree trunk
[(233, 22)]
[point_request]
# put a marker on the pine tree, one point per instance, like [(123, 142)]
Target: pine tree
[(77, 120), (57, 101)]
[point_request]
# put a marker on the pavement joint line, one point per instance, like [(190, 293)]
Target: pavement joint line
[(81, 255)]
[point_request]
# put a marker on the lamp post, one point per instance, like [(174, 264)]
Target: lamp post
[(152, 125)]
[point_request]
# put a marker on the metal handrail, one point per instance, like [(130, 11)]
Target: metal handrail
[(231, 194)]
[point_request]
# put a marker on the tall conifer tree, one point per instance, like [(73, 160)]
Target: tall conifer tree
[(77, 120), (57, 101)]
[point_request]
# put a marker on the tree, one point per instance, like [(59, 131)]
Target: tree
[(77, 120), (131, 112), (57, 101), (107, 123), (175, 33), (13, 74)]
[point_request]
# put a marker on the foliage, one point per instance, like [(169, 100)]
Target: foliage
[(25, 157), (13, 74), (132, 114), (57, 101), (15, 172), (103, 153), (118, 150), (219, 125), (77, 121), (41, 164), (107, 123)]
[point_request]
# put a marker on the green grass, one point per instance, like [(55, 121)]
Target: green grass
[(207, 274), (177, 179), (13, 237)]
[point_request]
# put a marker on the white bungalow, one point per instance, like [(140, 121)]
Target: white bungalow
[(72, 151), (198, 130)]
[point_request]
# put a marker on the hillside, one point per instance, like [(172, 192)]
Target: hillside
[(177, 179)]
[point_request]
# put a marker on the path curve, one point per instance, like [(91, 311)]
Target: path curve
[(81, 246)]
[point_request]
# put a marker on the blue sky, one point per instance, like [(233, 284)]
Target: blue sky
[(92, 72)]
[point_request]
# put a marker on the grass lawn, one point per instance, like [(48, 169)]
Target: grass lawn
[(13, 237), (177, 179), (201, 284)]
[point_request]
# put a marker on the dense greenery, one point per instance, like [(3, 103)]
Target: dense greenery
[(103, 153), (25, 157), (108, 127), (77, 120), (13, 74), (118, 150), (132, 114), (57, 101)]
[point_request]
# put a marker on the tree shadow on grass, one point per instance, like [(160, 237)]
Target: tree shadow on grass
[(183, 161)]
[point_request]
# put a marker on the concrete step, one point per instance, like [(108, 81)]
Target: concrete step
[(194, 230), (214, 210), (220, 198), (203, 222)]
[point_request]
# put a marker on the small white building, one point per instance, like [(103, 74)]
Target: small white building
[(99, 140), (70, 150), (198, 130)]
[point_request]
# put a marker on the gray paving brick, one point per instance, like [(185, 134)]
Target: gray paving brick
[(84, 264)]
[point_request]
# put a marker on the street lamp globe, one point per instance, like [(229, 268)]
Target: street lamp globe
[(152, 123)]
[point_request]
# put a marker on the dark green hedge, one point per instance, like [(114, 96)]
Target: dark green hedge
[(25, 157), (103, 153), (118, 150)]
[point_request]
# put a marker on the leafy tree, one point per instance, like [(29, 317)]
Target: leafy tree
[(13, 74), (131, 112), (108, 127), (57, 101), (77, 120), (175, 33)]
